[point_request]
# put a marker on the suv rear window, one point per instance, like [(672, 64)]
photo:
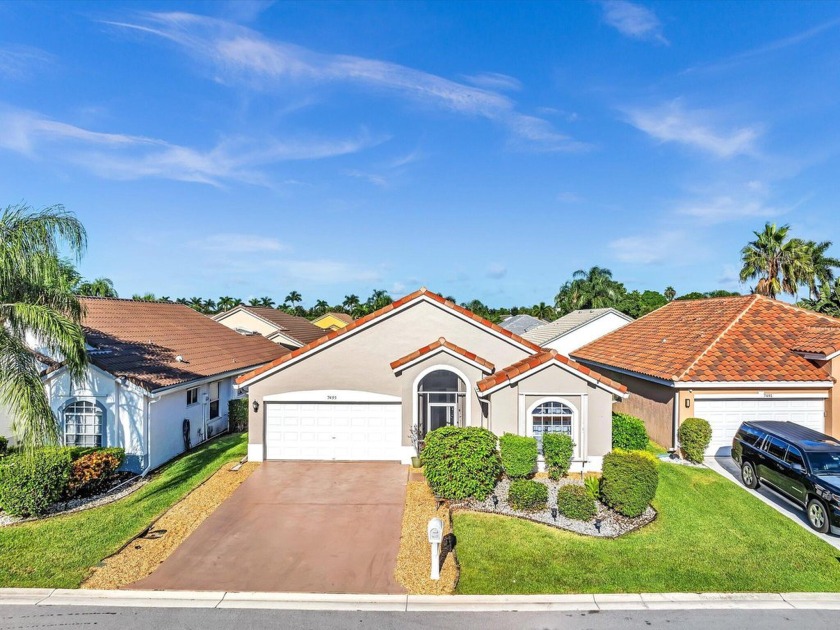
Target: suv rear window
[(776, 447), (751, 435)]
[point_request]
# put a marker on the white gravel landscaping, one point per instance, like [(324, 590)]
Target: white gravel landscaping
[(606, 524)]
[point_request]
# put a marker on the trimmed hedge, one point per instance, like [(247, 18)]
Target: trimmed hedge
[(90, 473), (694, 435), (629, 481), (558, 449), (238, 414), (30, 483), (628, 432), (461, 462), (77, 452), (519, 455), (527, 495), (576, 502)]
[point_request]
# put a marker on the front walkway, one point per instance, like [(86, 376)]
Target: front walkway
[(306, 527), (727, 467)]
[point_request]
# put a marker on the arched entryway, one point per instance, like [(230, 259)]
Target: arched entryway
[(441, 400)]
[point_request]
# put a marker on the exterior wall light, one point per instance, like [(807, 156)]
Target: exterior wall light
[(256, 406), (687, 403)]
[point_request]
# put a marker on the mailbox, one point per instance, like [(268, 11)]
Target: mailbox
[(435, 531)]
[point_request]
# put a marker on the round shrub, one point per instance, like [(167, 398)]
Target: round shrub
[(558, 449), (519, 455), (90, 473), (461, 462), (694, 435), (629, 480), (31, 482), (527, 495), (628, 432), (576, 502)]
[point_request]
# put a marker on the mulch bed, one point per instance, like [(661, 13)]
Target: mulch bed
[(612, 524)]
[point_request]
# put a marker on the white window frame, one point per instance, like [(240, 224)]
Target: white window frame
[(529, 420), (194, 402), (415, 393), (98, 412), (217, 385)]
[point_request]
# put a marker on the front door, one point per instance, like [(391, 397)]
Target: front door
[(441, 415)]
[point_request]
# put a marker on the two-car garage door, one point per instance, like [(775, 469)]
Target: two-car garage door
[(333, 430), (726, 415)]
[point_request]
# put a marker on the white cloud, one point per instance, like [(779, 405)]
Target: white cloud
[(727, 208), (672, 122), (494, 81), (244, 55), (496, 271), (128, 157), (373, 178), (633, 20), (238, 243), (18, 62), (651, 247), (569, 197), (327, 271)]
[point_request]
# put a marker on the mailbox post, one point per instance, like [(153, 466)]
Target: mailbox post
[(435, 532)]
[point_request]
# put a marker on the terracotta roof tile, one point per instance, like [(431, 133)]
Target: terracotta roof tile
[(298, 328), (379, 313), (441, 343), (819, 340), (142, 340), (746, 338), (531, 363)]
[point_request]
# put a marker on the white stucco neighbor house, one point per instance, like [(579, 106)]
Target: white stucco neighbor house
[(422, 362), (159, 379), (576, 329)]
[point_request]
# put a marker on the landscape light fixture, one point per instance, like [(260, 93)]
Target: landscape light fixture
[(256, 406), (598, 525), (495, 501), (554, 513)]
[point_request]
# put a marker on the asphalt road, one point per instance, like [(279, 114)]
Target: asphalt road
[(18, 617)]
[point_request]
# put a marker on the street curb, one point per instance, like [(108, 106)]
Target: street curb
[(415, 603)]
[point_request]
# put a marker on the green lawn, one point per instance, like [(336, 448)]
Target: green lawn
[(59, 552), (710, 535)]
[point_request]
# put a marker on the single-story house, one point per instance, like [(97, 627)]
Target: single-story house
[(726, 360), (290, 331), (159, 379), (520, 324), (576, 329), (421, 363), (333, 321)]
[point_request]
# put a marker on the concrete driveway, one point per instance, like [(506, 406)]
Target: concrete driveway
[(314, 527), (728, 468)]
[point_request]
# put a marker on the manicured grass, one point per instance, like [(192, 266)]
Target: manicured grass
[(710, 535), (59, 552)]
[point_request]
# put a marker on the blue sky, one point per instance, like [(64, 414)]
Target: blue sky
[(481, 149)]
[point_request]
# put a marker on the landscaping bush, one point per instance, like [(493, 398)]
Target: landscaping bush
[(4, 445), (461, 462), (576, 502), (593, 486), (527, 495), (519, 455), (629, 480), (628, 432), (694, 435), (558, 449), (91, 473), (238, 414), (30, 483)]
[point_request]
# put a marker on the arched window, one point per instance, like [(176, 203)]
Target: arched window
[(551, 416), (82, 424), (441, 397)]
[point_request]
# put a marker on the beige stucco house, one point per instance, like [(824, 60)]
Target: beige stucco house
[(423, 362), (290, 331)]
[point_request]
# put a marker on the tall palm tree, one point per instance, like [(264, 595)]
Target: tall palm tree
[(226, 302), (99, 287), (543, 311), (779, 263), (819, 266), (35, 302), (321, 306), (350, 302), (592, 288), (670, 293), (293, 299), (267, 302), (254, 302), (378, 299), (196, 303)]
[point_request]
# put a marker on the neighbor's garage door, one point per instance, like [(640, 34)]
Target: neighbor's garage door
[(726, 415), (339, 431)]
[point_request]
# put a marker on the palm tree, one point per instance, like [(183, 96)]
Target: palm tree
[(293, 298), (378, 299), (819, 266), (827, 301), (779, 263), (226, 303), (321, 306), (350, 302), (254, 302), (165, 298), (196, 303), (267, 302), (209, 306), (35, 301), (593, 288), (144, 297), (670, 293), (543, 311), (99, 287)]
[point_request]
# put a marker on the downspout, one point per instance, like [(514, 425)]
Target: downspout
[(148, 420), (676, 419)]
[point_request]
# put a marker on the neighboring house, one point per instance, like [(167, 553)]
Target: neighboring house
[(159, 380), (333, 321), (726, 360), (520, 324), (577, 329), (423, 362), (287, 330)]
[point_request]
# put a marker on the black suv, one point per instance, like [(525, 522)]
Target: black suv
[(801, 464)]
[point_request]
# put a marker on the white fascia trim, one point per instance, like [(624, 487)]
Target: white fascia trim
[(381, 318), (639, 375), (445, 350), (290, 341), (758, 395), (818, 356), (833, 356), (333, 396), (547, 364), (201, 381), (756, 384)]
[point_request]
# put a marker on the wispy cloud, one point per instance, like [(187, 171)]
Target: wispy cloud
[(651, 248), (128, 157), (672, 122), (18, 62), (374, 178), (633, 20), (494, 81), (725, 202), (496, 271), (243, 55), (234, 243)]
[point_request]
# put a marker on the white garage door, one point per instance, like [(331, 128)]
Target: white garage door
[(333, 431), (726, 415)]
